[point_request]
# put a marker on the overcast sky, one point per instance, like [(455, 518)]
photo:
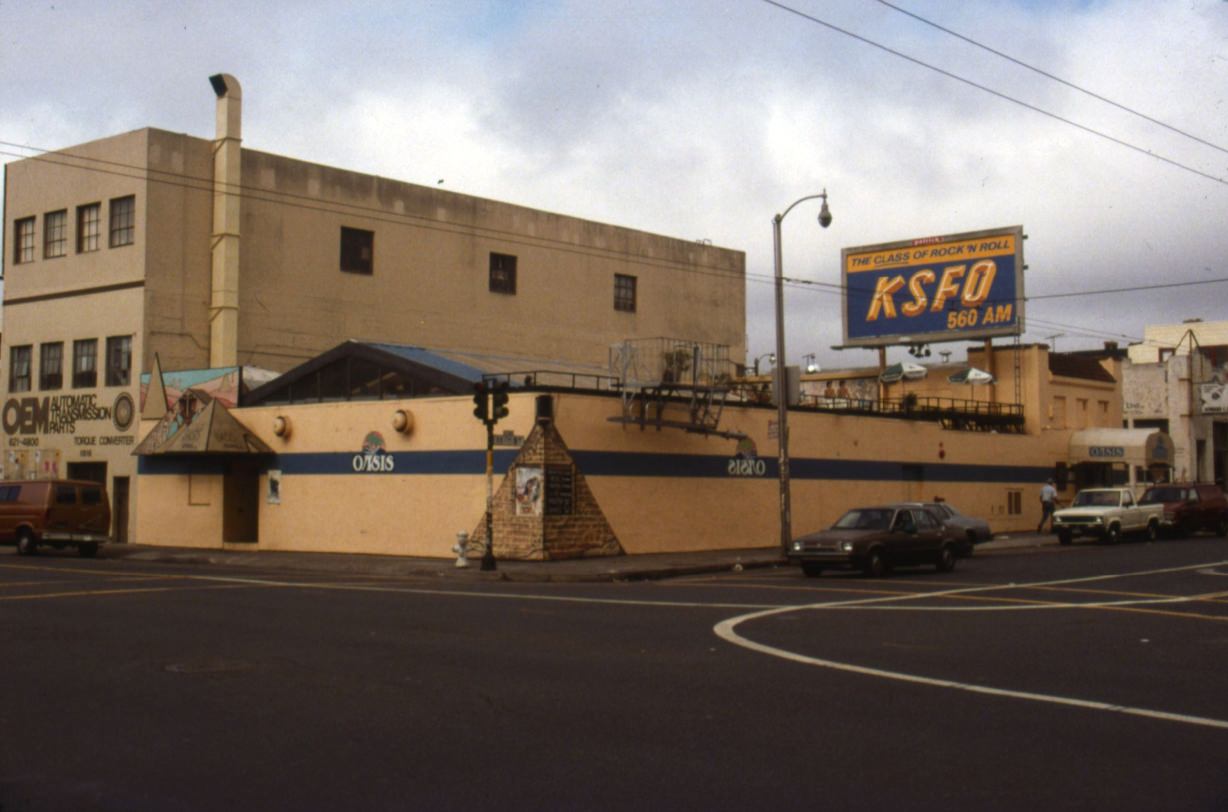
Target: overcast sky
[(701, 120)]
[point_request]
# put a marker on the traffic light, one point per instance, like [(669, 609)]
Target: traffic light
[(499, 396), (481, 408)]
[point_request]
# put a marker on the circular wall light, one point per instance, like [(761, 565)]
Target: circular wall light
[(281, 426), (403, 421)]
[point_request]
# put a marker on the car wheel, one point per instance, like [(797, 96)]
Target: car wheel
[(1153, 530), (946, 558), (875, 565), (1113, 534), (1221, 527), (88, 550), (25, 543), (1065, 537), (812, 570)]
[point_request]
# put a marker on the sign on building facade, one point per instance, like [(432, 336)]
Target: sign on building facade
[(934, 289)]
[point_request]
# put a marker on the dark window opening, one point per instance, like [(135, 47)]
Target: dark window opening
[(51, 366), (85, 363), (502, 273), (23, 240), (89, 225), (123, 221), (624, 292), (357, 250), (55, 234), (19, 368), (119, 360)]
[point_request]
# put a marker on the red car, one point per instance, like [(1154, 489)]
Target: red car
[(1190, 507)]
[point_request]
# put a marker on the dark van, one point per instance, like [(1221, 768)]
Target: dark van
[(54, 512)]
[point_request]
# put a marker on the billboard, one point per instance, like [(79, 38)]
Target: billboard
[(962, 286)]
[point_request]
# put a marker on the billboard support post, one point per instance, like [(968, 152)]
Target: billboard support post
[(780, 377)]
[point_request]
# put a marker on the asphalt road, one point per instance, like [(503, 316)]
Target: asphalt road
[(1090, 677)]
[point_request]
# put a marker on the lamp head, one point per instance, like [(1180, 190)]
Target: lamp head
[(824, 213)]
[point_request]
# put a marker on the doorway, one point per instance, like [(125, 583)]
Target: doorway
[(241, 502), (119, 509)]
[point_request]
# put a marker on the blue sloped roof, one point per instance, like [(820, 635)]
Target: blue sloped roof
[(431, 359)]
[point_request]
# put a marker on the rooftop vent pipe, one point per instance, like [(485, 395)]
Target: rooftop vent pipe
[(227, 189)]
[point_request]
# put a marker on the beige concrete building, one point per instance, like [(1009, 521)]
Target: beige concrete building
[(1176, 381), (206, 254)]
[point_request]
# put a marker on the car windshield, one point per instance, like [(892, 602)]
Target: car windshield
[(875, 519), (1154, 495), (1097, 499)]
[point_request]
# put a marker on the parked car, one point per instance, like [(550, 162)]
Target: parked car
[(965, 531), (874, 539), (1106, 513), (55, 512), (1189, 507)]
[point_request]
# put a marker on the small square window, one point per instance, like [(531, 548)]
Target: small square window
[(123, 221), (89, 227), (55, 234), (23, 240), (357, 250), (119, 360), (51, 365), (624, 292), (19, 368), (85, 363), (502, 273)]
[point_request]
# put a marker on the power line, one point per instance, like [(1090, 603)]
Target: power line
[(997, 93), (1048, 75)]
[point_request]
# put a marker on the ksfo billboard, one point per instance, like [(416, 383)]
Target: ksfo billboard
[(935, 289)]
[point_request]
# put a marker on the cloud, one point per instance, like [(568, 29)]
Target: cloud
[(701, 120)]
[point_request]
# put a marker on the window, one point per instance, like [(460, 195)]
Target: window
[(89, 227), (23, 240), (123, 221), (55, 234), (65, 495), (19, 369), (502, 273), (51, 365), (119, 360), (357, 250), (85, 363), (624, 292), (1014, 503)]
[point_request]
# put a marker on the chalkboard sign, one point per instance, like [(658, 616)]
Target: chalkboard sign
[(560, 490)]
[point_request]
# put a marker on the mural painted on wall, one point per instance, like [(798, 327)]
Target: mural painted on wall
[(220, 384)]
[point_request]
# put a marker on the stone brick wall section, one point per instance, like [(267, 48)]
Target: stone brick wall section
[(582, 533)]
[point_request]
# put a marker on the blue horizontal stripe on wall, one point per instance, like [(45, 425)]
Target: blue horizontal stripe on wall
[(619, 463), (611, 463), (414, 462)]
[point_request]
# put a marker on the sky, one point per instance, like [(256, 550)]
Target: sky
[(702, 120)]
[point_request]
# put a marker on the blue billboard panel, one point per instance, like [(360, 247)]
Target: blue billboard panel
[(964, 286)]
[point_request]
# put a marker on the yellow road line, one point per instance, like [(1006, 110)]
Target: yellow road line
[(110, 592)]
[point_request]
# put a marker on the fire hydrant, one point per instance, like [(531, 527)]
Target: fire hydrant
[(460, 548)]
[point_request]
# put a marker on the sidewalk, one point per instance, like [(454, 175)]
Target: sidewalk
[(621, 568)]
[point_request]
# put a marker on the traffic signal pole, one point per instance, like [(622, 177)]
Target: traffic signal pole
[(490, 404)]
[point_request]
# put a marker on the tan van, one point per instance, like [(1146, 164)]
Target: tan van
[(55, 512)]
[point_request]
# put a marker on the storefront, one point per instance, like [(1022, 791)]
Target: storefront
[(1134, 457)]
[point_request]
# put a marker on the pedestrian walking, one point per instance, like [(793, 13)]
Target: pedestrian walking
[(1048, 503)]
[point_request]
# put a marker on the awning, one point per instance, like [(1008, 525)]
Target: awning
[(1142, 447)]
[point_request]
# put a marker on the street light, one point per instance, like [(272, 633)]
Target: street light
[(782, 410), (771, 356)]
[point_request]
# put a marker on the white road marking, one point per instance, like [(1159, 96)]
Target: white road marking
[(726, 630)]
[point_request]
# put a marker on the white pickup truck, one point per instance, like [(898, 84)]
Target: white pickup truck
[(1106, 513)]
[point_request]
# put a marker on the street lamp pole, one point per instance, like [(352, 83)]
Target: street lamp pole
[(782, 408)]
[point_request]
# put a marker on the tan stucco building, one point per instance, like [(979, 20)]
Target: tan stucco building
[(205, 254)]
